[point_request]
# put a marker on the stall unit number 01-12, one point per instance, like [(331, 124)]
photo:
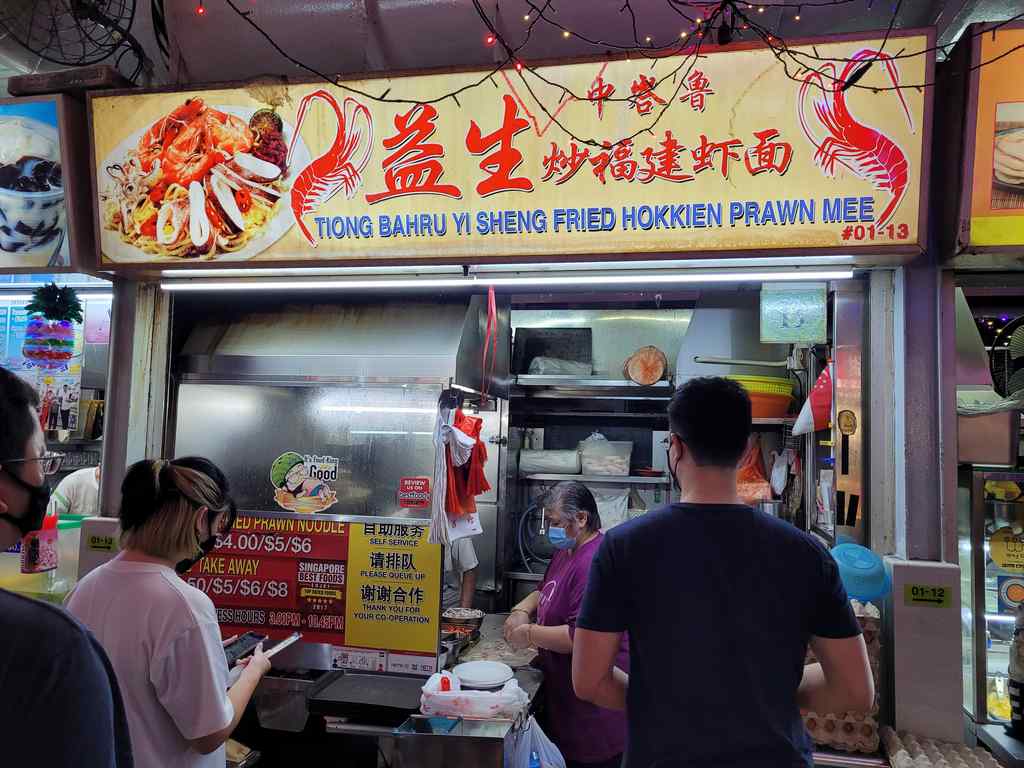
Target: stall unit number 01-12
[(929, 595)]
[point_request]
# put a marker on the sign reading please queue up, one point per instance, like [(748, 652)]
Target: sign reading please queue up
[(745, 157), (368, 585)]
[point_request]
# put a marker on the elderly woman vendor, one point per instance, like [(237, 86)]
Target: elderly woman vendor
[(546, 620)]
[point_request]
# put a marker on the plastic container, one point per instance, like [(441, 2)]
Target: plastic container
[(69, 539), (549, 462), (863, 572), (600, 456), (764, 406), (765, 385)]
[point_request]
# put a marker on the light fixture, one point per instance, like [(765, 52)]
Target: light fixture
[(566, 34), (486, 281), (490, 40), (519, 66), (647, 39), (682, 35), (372, 409), (104, 296), (200, 9), (526, 17)]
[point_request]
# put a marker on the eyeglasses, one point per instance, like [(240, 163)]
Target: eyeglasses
[(51, 462)]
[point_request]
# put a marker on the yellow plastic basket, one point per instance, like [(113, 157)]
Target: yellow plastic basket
[(765, 385)]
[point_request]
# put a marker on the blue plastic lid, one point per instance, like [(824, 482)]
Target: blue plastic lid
[(862, 571)]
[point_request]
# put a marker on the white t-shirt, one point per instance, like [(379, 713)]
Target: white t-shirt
[(77, 494), (458, 558), (165, 646)]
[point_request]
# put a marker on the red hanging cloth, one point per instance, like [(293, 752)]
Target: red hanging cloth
[(467, 482)]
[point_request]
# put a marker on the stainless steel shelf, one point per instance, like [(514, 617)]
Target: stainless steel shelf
[(578, 382), (783, 422), (609, 479)]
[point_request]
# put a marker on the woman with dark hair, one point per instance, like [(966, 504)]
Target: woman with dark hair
[(161, 633), (588, 736)]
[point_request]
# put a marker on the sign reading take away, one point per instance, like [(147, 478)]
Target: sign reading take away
[(746, 157), (359, 583)]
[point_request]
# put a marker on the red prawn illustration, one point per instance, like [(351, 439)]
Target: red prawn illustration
[(867, 152), (340, 167)]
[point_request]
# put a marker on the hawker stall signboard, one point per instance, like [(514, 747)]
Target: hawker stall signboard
[(728, 151), (41, 176), (370, 587), (994, 201)]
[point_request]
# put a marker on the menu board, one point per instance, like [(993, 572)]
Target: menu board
[(365, 585), (994, 195), (728, 152), (43, 185)]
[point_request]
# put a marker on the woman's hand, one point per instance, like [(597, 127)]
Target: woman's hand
[(515, 620), (519, 638), (257, 664)]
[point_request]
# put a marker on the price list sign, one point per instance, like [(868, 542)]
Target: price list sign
[(372, 585)]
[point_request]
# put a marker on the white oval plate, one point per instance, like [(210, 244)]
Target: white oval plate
[(119, 252)]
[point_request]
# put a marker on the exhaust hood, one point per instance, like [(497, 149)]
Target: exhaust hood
[(374, 342)]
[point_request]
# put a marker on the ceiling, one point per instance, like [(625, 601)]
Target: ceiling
[(347, 36)]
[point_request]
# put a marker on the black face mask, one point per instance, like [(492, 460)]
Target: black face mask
[(38, 501), (205, 547)]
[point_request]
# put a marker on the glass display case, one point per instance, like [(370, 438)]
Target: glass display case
[(990, 533)]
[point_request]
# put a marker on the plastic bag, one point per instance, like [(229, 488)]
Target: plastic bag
[(455, 702), (612, 505), (751, 483), (554, 366), (528, 739)]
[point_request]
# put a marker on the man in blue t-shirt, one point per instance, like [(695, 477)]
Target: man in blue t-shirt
[(720, 602), (60, 704)]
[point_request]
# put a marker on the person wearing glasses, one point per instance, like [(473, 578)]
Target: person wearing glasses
[(720, 602), (59, 699), (161, 633)]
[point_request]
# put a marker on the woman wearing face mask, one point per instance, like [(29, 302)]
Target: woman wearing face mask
[(588, 736), (160, 633)]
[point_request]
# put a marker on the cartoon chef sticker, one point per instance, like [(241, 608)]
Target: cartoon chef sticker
[(302, 483)]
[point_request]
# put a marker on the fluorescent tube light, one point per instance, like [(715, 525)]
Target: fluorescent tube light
[(540, 281)]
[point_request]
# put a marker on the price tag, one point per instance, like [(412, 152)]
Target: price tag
[(102, 544), (927, 595)]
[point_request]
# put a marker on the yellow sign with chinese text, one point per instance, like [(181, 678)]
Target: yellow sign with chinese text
[(1007, 549), (725, 152), (393, 594)]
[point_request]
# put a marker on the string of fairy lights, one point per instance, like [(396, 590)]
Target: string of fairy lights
[(722, 22)]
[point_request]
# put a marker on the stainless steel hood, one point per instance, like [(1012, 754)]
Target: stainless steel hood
[(409, 341)]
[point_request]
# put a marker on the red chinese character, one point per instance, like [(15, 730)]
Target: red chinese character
[(697, 90), (505, 158), (645, 97), (618, 160), (564, 165), (768, 155), (704, 155), (599, 91), (664, 163), (413, 168), (623, 166)]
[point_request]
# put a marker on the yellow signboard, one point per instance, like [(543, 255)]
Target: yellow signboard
[(997, 192), (725, 152), (1007, 550), (393, 595)]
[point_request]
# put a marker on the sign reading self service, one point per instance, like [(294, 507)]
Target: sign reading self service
[(722, 152), (363, 583)]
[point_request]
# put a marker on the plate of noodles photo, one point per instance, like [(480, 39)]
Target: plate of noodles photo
[(202, 183)]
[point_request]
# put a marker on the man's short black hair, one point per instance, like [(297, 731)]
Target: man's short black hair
[(712, 416), (16, 420)]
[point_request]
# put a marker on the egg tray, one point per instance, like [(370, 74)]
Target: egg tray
[(908, 751), (846, 733)]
